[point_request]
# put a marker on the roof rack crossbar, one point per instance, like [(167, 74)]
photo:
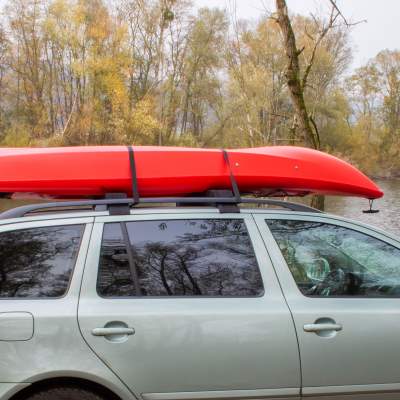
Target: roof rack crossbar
[(32, 208)]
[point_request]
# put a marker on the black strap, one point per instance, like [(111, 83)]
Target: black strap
[(235, 187), (135, 192)]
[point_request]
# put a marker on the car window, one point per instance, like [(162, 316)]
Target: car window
[(178, 258), (330, 260), (38, 262)]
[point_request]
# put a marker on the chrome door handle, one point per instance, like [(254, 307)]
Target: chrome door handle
[(322, 327), (112, 331)]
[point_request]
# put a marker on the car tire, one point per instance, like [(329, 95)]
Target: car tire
[(65, 393)]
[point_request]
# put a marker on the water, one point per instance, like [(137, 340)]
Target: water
[(389, 207), (349, 207)]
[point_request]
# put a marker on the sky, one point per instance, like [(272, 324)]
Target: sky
[(381, 31)]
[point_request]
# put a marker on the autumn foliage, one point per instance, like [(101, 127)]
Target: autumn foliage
[(78, 72)]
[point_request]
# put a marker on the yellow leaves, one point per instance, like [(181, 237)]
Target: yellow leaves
[(143, 125), (109, 79), (119, 36), (115, 88), (59, 8), (17, 136), (78, 68), (98, 23), (50, 28), (79, 13), (98, 32)]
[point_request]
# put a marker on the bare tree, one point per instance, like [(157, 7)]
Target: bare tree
[(297, 78)]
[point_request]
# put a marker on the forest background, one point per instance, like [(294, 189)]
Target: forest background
[(163, 72)]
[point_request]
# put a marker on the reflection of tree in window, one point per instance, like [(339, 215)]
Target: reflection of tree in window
[(355, 264), (185, 257), (114, 274), (38, 262)]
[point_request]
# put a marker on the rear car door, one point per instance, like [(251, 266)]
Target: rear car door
[(187, 306), (342, 284), (41, 266)]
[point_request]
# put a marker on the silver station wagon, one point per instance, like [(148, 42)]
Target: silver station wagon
[(196, 302)]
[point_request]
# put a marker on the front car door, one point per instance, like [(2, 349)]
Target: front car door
[(342, 284), (187, 306)]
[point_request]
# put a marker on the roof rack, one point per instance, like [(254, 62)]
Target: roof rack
[(118, 206)]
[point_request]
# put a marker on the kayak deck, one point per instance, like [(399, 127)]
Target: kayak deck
[(94, 171)]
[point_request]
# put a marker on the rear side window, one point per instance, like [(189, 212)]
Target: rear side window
[(178, 258), (38, 262)]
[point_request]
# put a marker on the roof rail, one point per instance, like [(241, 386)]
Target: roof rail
[(128, 203)]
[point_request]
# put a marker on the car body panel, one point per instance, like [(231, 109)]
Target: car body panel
[(200, 345), (270, 394), (360, 366), (56, 348), (16, 326), (361, 358)]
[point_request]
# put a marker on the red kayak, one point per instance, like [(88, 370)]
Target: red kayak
[(172, 171)]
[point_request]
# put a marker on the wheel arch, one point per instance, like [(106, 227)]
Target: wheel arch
[(86, 383)]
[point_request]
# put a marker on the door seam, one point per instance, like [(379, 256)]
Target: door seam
[(286, 302)]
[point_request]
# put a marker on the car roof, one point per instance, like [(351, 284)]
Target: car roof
[(149, 211), (191, 211), (138, 211), (120, 204), (220, 206)]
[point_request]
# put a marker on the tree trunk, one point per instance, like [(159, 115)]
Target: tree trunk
[(318, 201), (296, 85), (293, 80)]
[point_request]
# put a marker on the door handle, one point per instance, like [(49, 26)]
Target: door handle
[(322, 327), (113, 331)]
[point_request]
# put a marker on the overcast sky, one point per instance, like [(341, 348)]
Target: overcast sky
[(381, 31)]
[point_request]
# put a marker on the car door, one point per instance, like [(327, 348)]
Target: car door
[(342, 284), (186, 306), (41, 266)]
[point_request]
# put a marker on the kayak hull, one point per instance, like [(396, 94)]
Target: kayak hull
[(171, 171)]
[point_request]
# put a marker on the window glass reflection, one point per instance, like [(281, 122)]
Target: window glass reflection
[(330, 260), (38, 262), (179, 258)]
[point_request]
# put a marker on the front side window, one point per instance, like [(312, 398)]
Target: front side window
[(178, 258), (38, 262), (330, 260)]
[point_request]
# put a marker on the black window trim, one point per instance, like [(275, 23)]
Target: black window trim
[(131, 261), (83, 226), (127, 244)]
